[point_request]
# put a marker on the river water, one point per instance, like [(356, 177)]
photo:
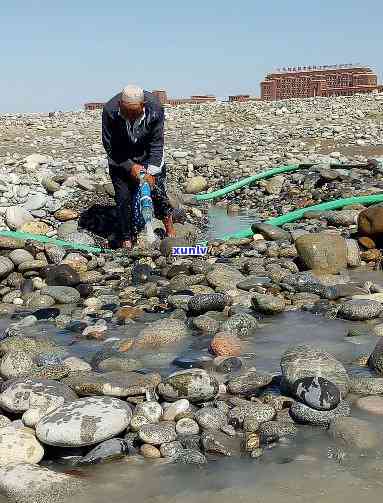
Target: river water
[(307, 469)]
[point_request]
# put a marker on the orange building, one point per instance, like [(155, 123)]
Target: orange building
[(311, 81)]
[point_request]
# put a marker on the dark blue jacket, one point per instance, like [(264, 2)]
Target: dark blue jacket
[(145, 146)]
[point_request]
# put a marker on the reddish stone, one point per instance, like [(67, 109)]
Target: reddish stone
[(129, 313), (367, 243), (225, 345)]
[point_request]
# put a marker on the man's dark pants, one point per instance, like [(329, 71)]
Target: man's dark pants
[(124, 186)]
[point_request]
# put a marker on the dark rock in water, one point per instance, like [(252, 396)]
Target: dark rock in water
[(202, 303), (317, 393), (272, 431), (305, 361), (189, 457), (176, 269), (84, 290), (240, 324), (141, 273), (112, 449), (360, 310), (76, 326), (60, 275), (167, 245), (193, 360), (49, 313), (270, 232), (227, 363), (301, 413), (306, 281), (132, 442)]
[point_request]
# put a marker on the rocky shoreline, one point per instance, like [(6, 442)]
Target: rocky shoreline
[(64, 408)]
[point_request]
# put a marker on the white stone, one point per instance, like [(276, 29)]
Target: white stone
[(17, 216), (19, 446)]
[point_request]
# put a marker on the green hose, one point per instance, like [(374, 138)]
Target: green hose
[(297, 214), (56, 242), (247, 181)]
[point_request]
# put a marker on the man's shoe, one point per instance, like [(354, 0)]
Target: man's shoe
[(169, 227)]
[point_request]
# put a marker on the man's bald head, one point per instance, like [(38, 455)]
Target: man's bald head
[(132, 102)]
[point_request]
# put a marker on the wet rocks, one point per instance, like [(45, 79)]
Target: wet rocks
[(249, 382), (62, 294), (109, 450), (15, 364), (162, 332), (268, 304), (360, 310), (323, 252), (273, 431), (225, 344), (366, 385), (28, 483), (256, 410), (61, 275), (86, 421), (157, 434), (187, 426), (201, 304), (270, 232), (301, 413), (304, 361), (116, 384), (6, 266), (189, 457), (224, 277), (370, 222), (211, 418), (354, 433), (19, 395), (195, 385), (19, 446), (317, 393), (240, 324)]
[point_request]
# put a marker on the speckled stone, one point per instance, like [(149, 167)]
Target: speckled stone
[(259, 411), (187, 426), (360, 310), (195, 385), (157, 434), (249, 382), (86, 421), (15, 364), (268, 304), (27, 483), (202, 303), (301, 413), (162, 332), (240, 324), (272, 431), (366, 385), (62, 294), (170, 449), (19, 395), (175, 409), (210, 418), (19, 446), (189, 457)]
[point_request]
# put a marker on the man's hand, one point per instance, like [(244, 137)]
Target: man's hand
[(136, 170), (151, 180)]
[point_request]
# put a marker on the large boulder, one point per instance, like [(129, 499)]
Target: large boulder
[(224, 277), (20, 395), (61, 275), (360, 309), (27, 483), (200, 304), (304, 361), (323, 252), (376, 359), (370, 222), (87, 421)]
